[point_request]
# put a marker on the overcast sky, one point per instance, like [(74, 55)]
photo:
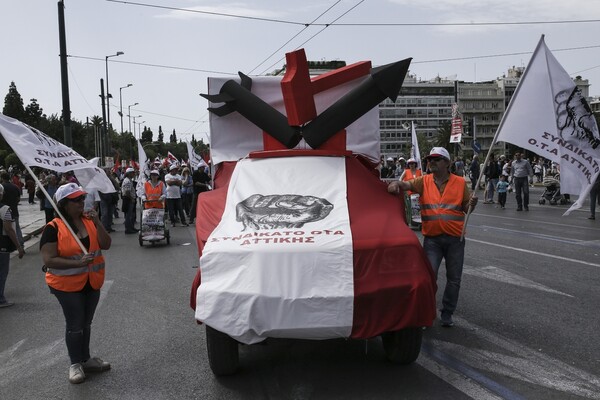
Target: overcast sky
[(169, 54)]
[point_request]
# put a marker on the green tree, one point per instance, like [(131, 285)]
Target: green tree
[(13, 103), (147, 135), (443, 139), (161, 137), (33, 114), (424, 145), (173, 137), (12, 159)]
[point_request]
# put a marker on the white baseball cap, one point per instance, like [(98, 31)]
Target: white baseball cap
[(128, 170), (69, 191), (172, 167), (439, 152)]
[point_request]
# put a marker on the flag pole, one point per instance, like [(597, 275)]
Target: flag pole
[(43, 189), (462, 236)]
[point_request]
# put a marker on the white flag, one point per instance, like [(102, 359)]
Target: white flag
[(195, 160), (36, 149), (414, 151), (144, 170), (548, 116)]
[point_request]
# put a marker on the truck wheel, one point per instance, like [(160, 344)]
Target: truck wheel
[(223, 355), (403, 346)]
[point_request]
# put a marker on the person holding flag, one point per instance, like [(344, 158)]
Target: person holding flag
[(445, 199), (75, 276)]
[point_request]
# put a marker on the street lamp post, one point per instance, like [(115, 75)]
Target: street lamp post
[(118, 53), (139, 129), (129, 114), (134, 117), (121, 103)]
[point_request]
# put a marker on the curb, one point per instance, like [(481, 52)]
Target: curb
[(36, 232)]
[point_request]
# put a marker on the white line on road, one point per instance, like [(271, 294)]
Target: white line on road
[(535, 252), (521, 363), (500, 275), (458, 381), (15, 366), (537, 222), (561, 239), (30, 362)]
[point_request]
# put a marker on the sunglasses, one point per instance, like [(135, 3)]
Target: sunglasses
[(436, 159), (77, 199)]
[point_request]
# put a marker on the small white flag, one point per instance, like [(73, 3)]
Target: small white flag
[(414, 151), (195, 160)]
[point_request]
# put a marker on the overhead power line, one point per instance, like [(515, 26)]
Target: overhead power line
[(413, 62), (357, 24)]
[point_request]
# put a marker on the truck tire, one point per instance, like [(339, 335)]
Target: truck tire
[(223, 355), (403, 346)]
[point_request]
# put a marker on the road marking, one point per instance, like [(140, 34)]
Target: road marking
[(15, 365), (30, 362), (455, 379), (540, 235), (535, 252), (537, 222), (521, 363), (500, 275), (103, 293)]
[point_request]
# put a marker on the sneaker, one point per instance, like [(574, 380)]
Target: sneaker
[(95, 364), (6, 304), (446, 319), (592, 217), (526, 208), (76, 374), (519, 209)]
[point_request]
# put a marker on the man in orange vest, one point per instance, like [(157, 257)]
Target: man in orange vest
[(445, 199)]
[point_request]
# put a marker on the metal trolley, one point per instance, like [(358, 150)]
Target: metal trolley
[(153, 227)]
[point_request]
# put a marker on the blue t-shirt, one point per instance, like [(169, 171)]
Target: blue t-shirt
[(502, 186)]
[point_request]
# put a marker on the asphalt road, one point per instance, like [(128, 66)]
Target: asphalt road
[(527, 327)]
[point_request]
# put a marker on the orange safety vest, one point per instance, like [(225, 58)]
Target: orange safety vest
[(408, 175), (153, 193), (74, 279), (442, 214)]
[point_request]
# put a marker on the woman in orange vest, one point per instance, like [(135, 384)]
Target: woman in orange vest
[(75, 278), (155, 191), (444, 200), (411, 172)]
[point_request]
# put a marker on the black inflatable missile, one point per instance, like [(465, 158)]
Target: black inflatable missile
[(246, 82), (384, 81), (239, 98)]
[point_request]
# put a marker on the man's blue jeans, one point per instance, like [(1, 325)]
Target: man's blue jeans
[(452, 250), (491, 187), (106, 213), (129, 215), (522, 186), (4, 263)]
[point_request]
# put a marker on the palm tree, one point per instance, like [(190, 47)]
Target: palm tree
[(443, 139)]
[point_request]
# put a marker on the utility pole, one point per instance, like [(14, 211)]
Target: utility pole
[(104, 132), (64, 75)]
